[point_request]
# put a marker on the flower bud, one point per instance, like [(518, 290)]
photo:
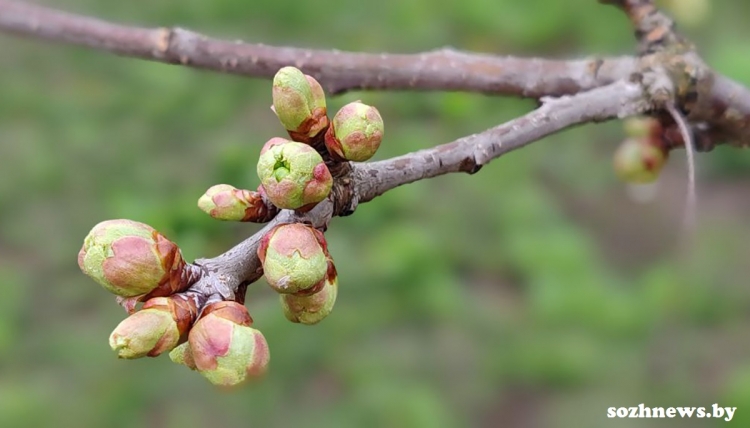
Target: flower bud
[(293, 257), (183, 355), (130, 258), (158, 327), (355, 132), (146, 332), (224, 348), (225, 202), (641, 127), (294, 175), (300, 103), (312, 308), (639, 161)]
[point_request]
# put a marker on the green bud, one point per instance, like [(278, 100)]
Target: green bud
[(158, 327), (130, 258), (293, 257), (355, 132), (294, 175), (312, 308), (299, 102), (182, 355), (148, 332), (224, 202), (639, 161), (224, 348)]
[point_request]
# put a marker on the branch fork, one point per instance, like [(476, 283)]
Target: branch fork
[(666, 80)]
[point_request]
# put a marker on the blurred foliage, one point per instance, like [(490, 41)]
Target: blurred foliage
[(536, 293)]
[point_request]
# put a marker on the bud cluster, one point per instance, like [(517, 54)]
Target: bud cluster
[(293, 173), (140, 265), (137, 263)]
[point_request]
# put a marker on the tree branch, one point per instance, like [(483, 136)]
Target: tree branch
[(726, 106), (225, 274), (728, 110), (468, 154), (444, 69), (590, 90)]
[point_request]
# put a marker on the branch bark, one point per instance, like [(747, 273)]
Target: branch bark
[(225, 274), (589, 90), (443, 69), (469, 154), (725, 103)]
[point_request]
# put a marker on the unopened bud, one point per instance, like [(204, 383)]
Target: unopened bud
[(294, 175), (182, 355), (293, 257), (355, 132), (158, 327), (225, 202), (130, 258), (148, 332), (637, 160), (313, 308), (300, 103), (223, 346)]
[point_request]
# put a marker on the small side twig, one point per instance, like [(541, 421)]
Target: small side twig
[(468, 154), (687, 136)]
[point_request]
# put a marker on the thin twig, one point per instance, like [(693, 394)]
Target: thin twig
[(691, 203), (468, 154)]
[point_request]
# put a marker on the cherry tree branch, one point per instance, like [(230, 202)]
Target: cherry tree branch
[(469, 154), (443, 69), (240, 265), (727, 109), (588, 90), (725, 103)]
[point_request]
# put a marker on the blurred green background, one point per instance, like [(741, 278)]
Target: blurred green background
[(537, 293)]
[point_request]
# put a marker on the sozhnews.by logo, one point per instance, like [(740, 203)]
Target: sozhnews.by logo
[(641, 411)]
